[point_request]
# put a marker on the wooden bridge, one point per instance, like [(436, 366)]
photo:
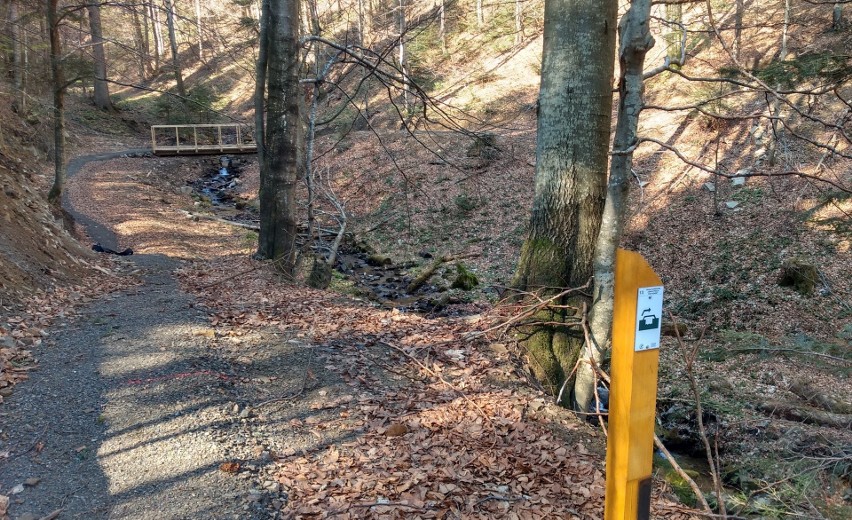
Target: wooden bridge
[(202, 139)]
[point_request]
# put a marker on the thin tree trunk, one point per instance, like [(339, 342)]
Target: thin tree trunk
[(141, 43), (198, 30), (674, 36), (170, 20), (738, 28), (100, 85), (279, 171), (17, 57), (260, 81), (159, 47), (571, 162), (480, 16), (634, 42), (775, 108), (837, 17), (442, 27), (519, 22), (402, 28), (57, 77)]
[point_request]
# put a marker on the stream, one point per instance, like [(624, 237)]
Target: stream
[(372, 276)]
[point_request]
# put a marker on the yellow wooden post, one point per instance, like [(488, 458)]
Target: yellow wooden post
[(633, 395)]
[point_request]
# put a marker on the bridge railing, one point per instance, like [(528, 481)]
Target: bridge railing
[(202, 139)]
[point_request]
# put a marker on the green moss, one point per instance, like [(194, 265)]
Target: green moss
[(465, 279), (800, 275)]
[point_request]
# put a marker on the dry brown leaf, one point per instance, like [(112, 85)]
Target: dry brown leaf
[(396, 430), (230, 467)]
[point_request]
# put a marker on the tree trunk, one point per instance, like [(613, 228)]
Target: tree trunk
[(403, 26), (674, 36), (198, 30), (775, 107), (17, 57), (519, 22), (480, 16), (141, 43), (260, 81), (100, 85), (575, 103), (279, 171), (58, 85), (159, 50), (170, 20), (738, 28), (634, 42), (837, 17)]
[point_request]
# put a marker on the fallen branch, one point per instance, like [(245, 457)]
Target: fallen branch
[(805, 414), (747, 350), (804, 390), (245, 225)]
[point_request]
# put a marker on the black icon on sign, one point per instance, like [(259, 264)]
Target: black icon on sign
[(648, 321)]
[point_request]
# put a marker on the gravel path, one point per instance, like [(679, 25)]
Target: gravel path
[(123, 418), (134, 413)]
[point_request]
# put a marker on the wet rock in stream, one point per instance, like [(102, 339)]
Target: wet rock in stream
[(219, 187)]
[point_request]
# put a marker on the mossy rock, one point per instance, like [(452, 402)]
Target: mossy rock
[(465, 279), (800, 275), (379, 260)]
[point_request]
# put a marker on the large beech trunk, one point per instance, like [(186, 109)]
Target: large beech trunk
[(575, 107), (282, 139)]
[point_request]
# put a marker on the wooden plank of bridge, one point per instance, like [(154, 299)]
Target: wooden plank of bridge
[(194, 148)]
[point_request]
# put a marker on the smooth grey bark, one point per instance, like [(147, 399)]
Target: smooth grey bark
[(100, 85), (634, 42), (837, 17), (57, 77), (280, 167), (170, 21), (575, 112)]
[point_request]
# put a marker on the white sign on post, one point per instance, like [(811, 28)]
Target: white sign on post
[(649, 314)]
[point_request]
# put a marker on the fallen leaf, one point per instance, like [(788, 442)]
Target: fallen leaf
[(230, 467), (32, 481), (396, 430), (17, 489)]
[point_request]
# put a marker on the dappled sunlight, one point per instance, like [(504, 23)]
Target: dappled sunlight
[(145, 207)]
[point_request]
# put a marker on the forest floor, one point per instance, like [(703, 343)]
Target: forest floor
[(199, 392)]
